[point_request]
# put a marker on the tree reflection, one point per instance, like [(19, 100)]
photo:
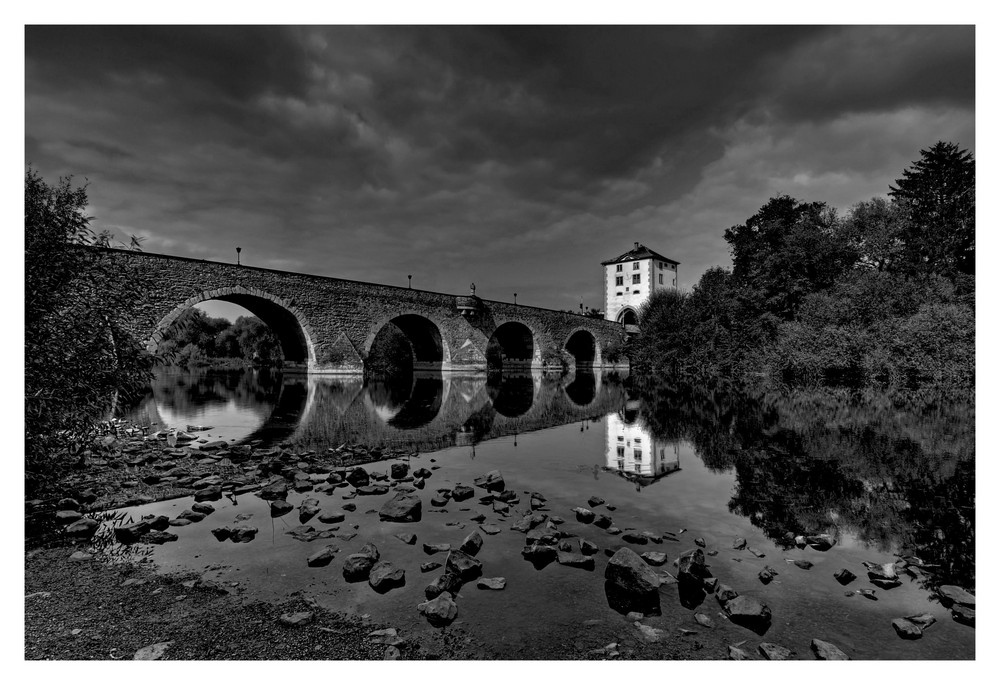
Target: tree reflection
[(897, 471)]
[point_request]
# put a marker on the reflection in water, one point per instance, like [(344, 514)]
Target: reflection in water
[(512, 394), (634, 453), (582, 389), (407, 403), (896, 472)]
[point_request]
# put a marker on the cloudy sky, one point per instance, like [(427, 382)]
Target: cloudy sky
[(518, 158)]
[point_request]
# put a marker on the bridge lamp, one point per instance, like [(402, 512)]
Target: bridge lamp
[(515, 298), (238, 250), (409, 280)]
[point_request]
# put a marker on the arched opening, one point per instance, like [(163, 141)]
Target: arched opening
[(583, 347), (404, 344), (272, 334), (511, 346), (628, 317)]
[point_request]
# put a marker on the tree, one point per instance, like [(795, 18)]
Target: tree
[(937, 193), (80, 357), (875, 229), (787, 250)]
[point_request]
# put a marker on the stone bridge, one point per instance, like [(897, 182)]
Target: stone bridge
[(328, 325)]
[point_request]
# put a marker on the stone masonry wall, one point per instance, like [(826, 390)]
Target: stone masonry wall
[(327, 325)]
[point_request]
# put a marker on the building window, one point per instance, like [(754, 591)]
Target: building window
[(637, 454), (619, 280), (618, 294), (635, 292), (638, 441), (618, 268), (636, 278), (621, 438), (635, 266), (661, 279), (621, 451), (674, 282), (660, 264)]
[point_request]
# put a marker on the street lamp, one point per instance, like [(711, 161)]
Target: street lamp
[(238, 250), (409, 280), (515, 298)]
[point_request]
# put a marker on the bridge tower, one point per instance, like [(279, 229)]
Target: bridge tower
[(631, 279)]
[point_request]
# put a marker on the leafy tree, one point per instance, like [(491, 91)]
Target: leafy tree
[(875, 230), (80, 357), (937, 193), (787, 250)]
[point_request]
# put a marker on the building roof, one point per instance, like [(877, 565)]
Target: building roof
[(639, 252)]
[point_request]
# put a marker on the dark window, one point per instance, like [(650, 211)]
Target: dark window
[(618, 268), (661, 279), (635, 266), (636, 278), (619, 280)]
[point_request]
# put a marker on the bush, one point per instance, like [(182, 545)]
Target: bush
[(80, 357)]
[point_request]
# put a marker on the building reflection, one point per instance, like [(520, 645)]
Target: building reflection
[(633, 452)]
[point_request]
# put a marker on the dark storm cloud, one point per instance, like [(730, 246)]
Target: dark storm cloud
[(454, 147)]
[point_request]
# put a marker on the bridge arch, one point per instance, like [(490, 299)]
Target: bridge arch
[(511, 345), (430, 349), (282, 317), (583, 346)]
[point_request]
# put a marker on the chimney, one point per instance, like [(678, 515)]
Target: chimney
[(637, 245)]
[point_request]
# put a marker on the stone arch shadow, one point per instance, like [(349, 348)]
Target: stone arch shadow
[(282, 317), (583, 346), (513, 344), (428, 341)]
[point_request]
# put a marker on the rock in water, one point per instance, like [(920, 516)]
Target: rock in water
[(739, 543), (460, 493), (463, 565), (384, 576), (773, 652), (492, 481), (575, 560), (749, 613), (308, 509), (649, 634), (952, 594), (131, 533), (491, 583), (404, 507), (280, 507), (806, 565), (397, 471), (825, 651), (595, 502), (358, 478), (964, 615), (322, 557), (767, 574), (408, 538), (332, 517), (446, 582), (844, 577), (437, 547), (906, 629), (821, 542), (439, 611), (472, 544), (430, 566), (630, 574), (583, 515), (704, 620), (737, 654)]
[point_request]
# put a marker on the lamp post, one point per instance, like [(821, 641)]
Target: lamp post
[(515, 298), (238, 250), (409, 280)]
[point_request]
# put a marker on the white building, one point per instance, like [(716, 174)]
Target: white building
[(629, 280)]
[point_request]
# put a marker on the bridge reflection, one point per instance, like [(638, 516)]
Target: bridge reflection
[(424, 411)]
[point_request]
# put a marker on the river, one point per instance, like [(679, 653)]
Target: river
[(887, 476)]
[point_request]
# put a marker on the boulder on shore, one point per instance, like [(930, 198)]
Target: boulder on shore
[(403, 507), (627, 572)]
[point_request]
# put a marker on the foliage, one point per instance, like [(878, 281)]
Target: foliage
[(80, 357), (391, 354), (196, 339), (883, 296), (938, 195)]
